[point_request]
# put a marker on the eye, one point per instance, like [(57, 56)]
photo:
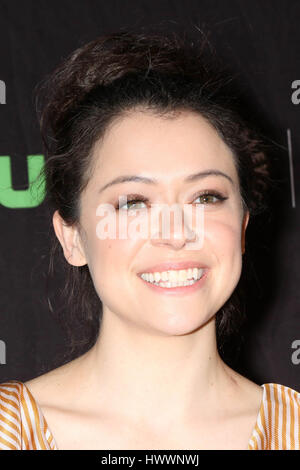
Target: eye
[(208, 195), (131, 201), (134, 200)]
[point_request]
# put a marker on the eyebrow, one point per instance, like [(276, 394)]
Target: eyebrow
[(146, 180)]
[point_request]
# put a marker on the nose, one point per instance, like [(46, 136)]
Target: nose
[(171, 228)]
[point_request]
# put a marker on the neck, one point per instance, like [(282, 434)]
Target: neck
[(136, 372)]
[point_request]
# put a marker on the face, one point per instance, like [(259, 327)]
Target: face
[(167, 150)]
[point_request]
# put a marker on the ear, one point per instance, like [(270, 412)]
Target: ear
[(70, 241), (244, 226)]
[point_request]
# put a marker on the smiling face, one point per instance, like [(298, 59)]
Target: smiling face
[(167, 151)]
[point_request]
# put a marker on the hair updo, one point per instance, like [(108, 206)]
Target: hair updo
[(99, 82)]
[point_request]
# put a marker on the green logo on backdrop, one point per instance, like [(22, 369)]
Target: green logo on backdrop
[(19, 198)]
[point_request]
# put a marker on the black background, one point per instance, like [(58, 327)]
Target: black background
[(260, 40)]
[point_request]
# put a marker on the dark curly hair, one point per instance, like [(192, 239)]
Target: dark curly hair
[(114, 74)]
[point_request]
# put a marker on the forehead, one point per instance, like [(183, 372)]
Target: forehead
[(161, 146)]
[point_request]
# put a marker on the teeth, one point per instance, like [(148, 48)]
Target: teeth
[(195, 273), (172, 278), (190, 273), (176, 284)]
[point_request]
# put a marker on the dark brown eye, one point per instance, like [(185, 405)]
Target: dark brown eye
[(209, 195)]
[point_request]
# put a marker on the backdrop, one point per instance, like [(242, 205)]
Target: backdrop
[(261, 43)]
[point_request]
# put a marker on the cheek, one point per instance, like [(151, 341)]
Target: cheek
[(223, 240), (109, 263), (110, 258)]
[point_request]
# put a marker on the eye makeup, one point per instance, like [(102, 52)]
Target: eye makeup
[(135, 198)]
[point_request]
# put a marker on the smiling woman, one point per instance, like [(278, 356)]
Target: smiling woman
[(132, 123)]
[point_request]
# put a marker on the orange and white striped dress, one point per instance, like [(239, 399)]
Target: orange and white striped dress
[(23, 426)]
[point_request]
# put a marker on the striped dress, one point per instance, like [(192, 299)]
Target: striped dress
[(23, 426)]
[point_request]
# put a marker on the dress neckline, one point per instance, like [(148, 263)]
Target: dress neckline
[(46, 426), (258, 417)]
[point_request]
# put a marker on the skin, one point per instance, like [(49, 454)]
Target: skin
[(154, 378)]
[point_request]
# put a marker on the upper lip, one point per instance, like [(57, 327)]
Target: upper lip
[(173, 265)]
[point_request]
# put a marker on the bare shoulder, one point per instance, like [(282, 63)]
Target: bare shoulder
[(244, 392), (54, 387)]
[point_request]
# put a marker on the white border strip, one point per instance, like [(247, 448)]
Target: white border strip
[(291, 167)]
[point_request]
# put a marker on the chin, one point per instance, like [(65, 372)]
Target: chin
[(181, 324)]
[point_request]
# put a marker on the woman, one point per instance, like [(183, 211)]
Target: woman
[(134, 122)]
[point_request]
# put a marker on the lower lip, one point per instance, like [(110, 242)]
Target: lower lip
[(182, 290)]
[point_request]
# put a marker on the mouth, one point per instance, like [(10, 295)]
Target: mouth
[(175, 282)]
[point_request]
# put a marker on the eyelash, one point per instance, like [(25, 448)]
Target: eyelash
[(140, 198)]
